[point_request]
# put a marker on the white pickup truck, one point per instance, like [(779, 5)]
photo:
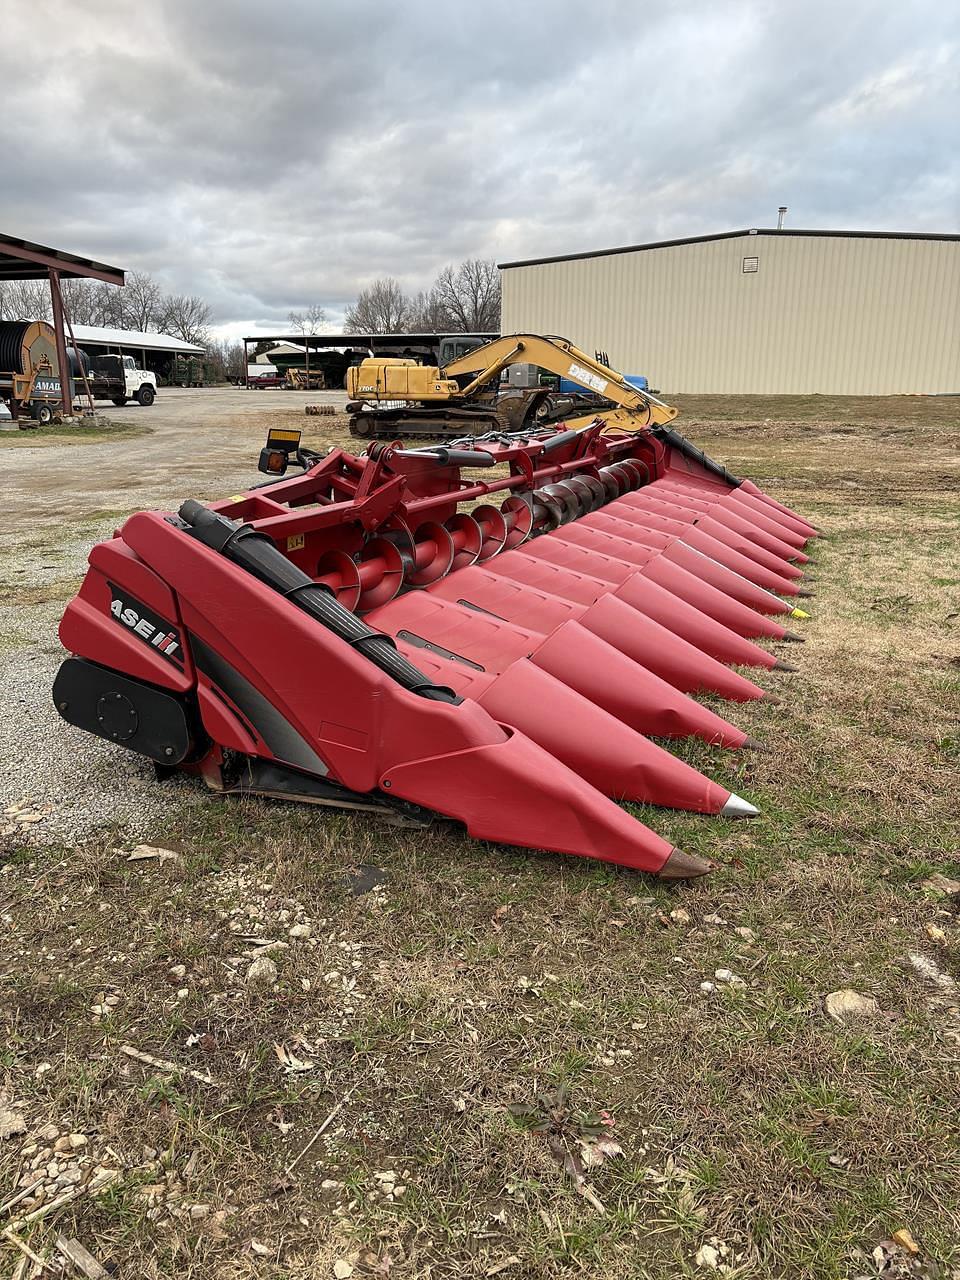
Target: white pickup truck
[(117, 378)]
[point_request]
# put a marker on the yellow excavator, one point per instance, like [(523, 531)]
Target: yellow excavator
[(392, 398)]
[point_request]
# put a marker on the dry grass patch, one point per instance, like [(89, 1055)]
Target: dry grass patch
[(101, 431)]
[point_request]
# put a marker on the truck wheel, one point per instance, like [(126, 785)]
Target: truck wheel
[(43, 413), (120, 400), (146, 396)]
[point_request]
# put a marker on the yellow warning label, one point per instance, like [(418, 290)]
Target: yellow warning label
[(799, 613), (295, 543)]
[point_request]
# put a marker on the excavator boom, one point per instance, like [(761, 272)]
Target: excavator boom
[(561, 357)]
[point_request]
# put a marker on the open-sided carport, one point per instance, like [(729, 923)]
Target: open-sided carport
[(23, 260)]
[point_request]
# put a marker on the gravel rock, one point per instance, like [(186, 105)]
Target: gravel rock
[(262, 973), (11, 1123), (729, 978), (847, 1005)]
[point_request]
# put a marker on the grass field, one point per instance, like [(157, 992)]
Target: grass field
[(424, 987)]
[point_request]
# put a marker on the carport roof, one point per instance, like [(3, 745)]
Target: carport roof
[(23, 260), (91, 333)]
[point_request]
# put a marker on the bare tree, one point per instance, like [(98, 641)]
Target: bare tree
[(233, 361), (309, 321), (188, 317), (381, 308), (85, 301), (227, 358), (470, 296), (142, 303), (25, 300), (427, 313), (93, 302)]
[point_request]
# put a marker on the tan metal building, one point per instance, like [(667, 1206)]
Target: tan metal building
[(757, 312)]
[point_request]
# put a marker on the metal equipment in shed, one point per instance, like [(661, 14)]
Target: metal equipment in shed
[(23, 260), (29, 369)]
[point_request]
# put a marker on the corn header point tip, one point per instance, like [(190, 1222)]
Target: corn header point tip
[(684, 866), (737, 807)]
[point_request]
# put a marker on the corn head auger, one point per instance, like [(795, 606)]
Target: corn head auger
[(377, 633)]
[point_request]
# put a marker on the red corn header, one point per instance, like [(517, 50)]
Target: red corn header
[(493, 632)]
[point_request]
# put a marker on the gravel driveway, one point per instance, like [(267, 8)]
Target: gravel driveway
[(60, 498)]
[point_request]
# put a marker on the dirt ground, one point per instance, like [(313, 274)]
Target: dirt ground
[(209, 436), (295, 1046)]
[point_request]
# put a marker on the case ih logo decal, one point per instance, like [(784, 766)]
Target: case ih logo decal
[(146, 624)]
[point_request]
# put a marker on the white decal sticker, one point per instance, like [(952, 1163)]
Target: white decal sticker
[(577, 373)]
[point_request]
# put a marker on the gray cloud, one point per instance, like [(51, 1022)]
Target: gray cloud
[(270, 158)]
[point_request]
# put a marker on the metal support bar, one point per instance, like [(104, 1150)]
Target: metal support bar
[(64, 364), (73, 342)]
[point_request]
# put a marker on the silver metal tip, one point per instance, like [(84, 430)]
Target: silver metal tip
[(737, 807)]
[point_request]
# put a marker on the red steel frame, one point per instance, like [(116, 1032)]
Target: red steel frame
[(622, 573)]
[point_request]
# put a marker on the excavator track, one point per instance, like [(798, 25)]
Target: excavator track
[(445, 421), (411, 421)]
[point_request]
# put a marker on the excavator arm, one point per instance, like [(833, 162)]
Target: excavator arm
[(390, 397), (561, 357)]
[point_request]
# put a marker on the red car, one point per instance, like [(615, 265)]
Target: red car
[(269, 378)]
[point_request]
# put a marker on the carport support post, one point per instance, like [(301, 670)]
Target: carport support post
[(62, 362)]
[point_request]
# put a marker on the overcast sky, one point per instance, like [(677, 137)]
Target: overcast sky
[(272, 156)]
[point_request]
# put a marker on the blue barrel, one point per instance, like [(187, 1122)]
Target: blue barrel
[(635, 379)]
